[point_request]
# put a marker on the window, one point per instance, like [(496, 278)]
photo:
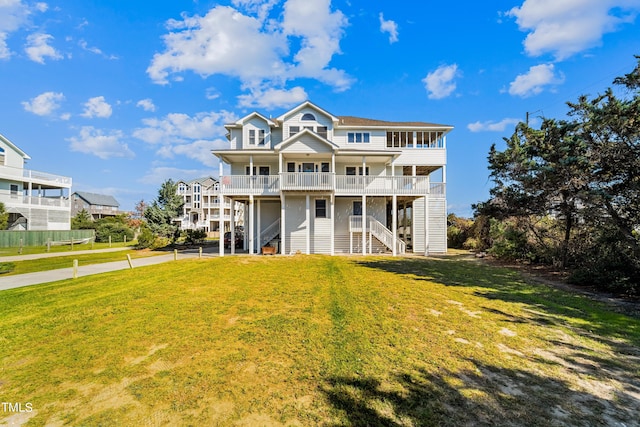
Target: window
[(291, 167), (308, 167), (261, 136), (247, 170), (1, 156), (324, 167), (293, 130), (322, 131), (263, 170), (321, 208), (358, 137), (308, 116), (252, 137), (14, 190), (351, 170), (357, 207)]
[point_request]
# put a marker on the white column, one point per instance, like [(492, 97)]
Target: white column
[(394, 224), (259, 228), (333, 223), (251, 225), (308, 219), (364, 224), (221, 219), (283, 249)]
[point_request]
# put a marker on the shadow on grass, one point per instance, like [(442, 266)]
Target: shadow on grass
[(482, 396), (546, 305)]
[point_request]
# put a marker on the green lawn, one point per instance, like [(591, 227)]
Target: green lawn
[(66, 261), (314, 340)]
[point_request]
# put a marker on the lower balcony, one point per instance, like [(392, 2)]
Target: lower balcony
[(341, 185)]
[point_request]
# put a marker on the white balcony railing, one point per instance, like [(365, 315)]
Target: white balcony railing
[(326, 181), (28, 175), (22, 200)]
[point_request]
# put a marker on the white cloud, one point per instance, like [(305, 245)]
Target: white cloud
[(5, 52), (184, 135), (567, 27), (243, 42), (199, 150), (97, 107), (389, 27), (103, 144), (38, 48), (270, 98), (146, 104), (85, 46), (180, 128), (44, 104), (14, 15), (535, 80), (441, 82), (491, 126)]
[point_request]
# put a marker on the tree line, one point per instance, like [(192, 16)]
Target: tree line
[(568, 194)]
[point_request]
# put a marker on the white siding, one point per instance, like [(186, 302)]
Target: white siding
[(437, 225), (307, 145), (295, 224), (320, 228), (376, 207)]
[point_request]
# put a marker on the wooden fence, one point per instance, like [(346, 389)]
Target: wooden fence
[(14, 239)]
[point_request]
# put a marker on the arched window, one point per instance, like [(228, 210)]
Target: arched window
[(308, 116)]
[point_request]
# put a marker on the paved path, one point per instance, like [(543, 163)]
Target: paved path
[(20, 280)]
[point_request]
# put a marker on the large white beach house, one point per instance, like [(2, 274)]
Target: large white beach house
[(316, 183), (34, 200)]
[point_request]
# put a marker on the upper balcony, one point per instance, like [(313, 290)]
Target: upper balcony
[(341, 185), (44, 179)]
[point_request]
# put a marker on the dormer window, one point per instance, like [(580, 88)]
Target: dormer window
[(252, 137), (308, 116)]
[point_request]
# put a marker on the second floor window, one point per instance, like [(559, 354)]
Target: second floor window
[(252, 137), (358, 137), (261, 136), (322, 131), (293, 130)]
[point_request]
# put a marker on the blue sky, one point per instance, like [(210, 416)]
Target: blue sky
[(122, 95)]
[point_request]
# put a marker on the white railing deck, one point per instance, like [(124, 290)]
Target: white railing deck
[(22, 200), (326, 181), (37, 177)]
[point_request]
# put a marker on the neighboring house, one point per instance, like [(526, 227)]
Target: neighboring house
[(312, 182), (201, 209), (97, 205), (34, 200)]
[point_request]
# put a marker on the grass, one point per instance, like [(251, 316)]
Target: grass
[(28, 250), (313, 340), (46, 264)]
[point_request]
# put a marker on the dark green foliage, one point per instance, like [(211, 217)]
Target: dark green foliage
[(4, 217), (161, 215), (195, 236), (82, 221), (114, 227), (568, 194)]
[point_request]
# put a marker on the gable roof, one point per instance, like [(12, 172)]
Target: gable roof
[(14, 147), (304, 105), (244, 119), (302, 133), (97, 199)]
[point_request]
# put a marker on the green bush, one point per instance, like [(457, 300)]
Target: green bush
[(117, 230)]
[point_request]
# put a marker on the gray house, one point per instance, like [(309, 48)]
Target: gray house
[(97, 205)]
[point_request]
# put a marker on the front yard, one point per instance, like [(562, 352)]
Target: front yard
[(314, 340)]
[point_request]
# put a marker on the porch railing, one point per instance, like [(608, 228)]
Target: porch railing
[(326, 181)]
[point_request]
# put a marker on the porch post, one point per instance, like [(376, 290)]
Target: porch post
[(259, 231), (308, 220), (364, 224), (394, 223), (283, 228), (333, 223), (221, 222), (364, 206), (251, 225)]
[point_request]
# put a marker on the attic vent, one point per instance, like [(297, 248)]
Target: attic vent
[(308, 116)]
